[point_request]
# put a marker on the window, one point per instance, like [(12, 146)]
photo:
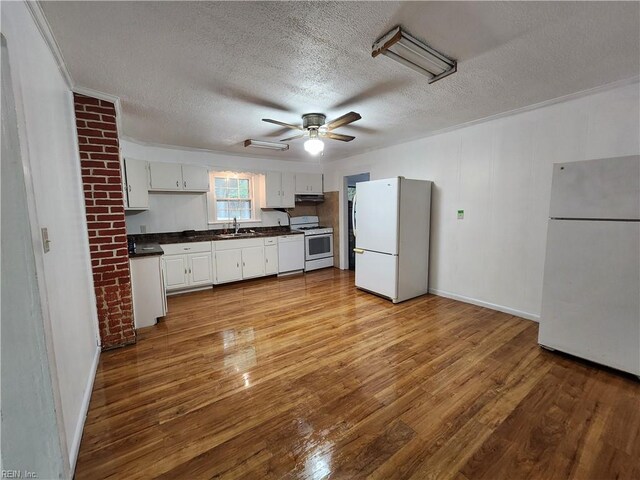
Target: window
[(233, 195)]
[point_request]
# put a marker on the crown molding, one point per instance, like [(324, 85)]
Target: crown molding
[(528, 108), (89, 92), (45, 30)]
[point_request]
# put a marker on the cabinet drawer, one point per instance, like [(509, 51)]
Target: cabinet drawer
[(271, 241), (180, 248)]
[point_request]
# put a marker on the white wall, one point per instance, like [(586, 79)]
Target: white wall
[(174, 212), (499, 172), (46, 124)]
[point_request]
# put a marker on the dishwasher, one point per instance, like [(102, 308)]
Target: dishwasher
[(290, 254)]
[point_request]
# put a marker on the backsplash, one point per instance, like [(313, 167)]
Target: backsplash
[(170, 212)]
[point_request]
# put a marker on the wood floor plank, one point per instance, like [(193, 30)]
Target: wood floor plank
[(308, 377)]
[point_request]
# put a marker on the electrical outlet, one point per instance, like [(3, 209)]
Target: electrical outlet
[(460, 214), (143, 229)]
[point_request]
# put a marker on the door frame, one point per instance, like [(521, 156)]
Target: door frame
[(344, 213)]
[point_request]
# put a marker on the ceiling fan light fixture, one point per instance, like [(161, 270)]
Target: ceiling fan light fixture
[(266, 145), (415, 54), (314, 145)]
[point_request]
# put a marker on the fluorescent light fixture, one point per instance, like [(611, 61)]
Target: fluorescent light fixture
[(314, 145), (417, 55), (266, 145)]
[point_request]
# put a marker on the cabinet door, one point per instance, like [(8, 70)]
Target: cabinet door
[(315, 183), (195, 179), (137, 183), (273, 192), (175, 268), (165, 176), (200, 269), (229, 265), (288, 182), (302, 182), (271, 259), (252, 262)]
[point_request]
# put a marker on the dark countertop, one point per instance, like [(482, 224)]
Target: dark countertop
[(146, 250), (189, 236)]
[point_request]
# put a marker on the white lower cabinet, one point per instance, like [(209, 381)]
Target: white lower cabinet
[(245, 258), (187, 265), (228, 265), (271, 259), (253, 262)]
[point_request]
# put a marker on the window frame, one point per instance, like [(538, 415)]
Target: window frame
[(213, 199)]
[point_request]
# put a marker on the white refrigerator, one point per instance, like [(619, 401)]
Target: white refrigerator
[(391, 224), (591, 289)]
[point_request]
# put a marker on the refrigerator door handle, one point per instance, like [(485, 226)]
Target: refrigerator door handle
[(353, 215)]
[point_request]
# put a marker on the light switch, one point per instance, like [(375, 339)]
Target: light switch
[(45, 239), (460, 214)]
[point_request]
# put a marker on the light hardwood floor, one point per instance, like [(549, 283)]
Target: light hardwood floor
[(307, 377)]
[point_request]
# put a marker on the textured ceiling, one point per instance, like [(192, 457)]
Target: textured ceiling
[(203, 74)]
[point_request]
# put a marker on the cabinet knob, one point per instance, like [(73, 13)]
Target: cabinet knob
[(185, 184), (185, 271), (237, 265), (177, 183), (129, 187)]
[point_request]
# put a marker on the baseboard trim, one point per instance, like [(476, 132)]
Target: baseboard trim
[(77, 436), (480, 303)]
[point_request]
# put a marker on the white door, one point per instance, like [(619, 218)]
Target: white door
[(590, 296), (228, 265), (175, 268), (376, 215), (288, 187), (137, 183), (253, 262), (270, 259), (200, 268), (273, 191), (165, 176), (195, 179), (378, 273)]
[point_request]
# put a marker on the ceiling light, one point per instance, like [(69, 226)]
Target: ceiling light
[(314, 145), (417, 55), (266, 145)]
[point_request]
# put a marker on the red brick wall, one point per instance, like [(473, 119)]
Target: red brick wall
[(102, 181)]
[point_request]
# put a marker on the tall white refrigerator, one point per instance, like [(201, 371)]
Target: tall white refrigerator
[(391, 224), (591, 290)]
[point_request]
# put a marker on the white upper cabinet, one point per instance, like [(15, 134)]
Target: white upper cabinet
[(136, 177), (165, 176), (308, 183), (279, 190), (195, 179), (175, 177)]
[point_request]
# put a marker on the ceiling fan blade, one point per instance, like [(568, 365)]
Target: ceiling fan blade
[(343, 120), (292, 138), (288, 125), (338, 136)]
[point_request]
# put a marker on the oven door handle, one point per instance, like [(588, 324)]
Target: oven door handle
[(353, 213)]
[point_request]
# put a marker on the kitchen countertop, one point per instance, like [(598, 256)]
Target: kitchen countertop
[(146, 250), (189, 236)]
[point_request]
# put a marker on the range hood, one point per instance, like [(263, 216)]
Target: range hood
[(309, 197)]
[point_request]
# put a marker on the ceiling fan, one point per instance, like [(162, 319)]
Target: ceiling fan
[(315, 126)]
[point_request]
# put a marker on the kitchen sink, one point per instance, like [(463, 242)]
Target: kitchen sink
[(238, 235)]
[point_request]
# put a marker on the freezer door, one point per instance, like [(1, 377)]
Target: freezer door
[(590, 305), (376, 215), (607, 188), (378, 273)]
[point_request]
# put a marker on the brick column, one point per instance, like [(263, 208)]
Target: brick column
[(103, 196)]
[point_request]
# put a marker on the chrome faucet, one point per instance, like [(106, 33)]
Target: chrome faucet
[(236, 227)]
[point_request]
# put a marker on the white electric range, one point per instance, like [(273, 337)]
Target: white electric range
[(318, 242)]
